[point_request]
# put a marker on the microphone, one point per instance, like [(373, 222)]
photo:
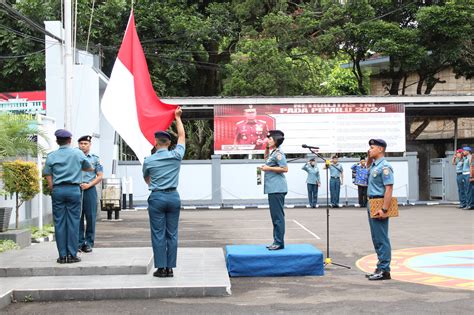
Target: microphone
[(309, 147)]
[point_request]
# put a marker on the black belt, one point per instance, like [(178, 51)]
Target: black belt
[(66, 184), (335, 177), (165, 190), (375, 197), (460, 173)]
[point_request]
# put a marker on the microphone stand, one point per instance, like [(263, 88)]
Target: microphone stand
[(328, 261)]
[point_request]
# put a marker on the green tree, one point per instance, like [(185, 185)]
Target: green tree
[(18, 136), (404, 53), (341, 81), (446, 33), (22, 65), (259, 67), (22, 179), (349, 28), (199, 139)]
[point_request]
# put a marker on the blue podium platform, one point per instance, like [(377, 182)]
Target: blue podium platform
[(258, 261)]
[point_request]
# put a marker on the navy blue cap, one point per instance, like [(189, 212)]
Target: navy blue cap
[(84, 138), (62, 133), (466, 148), (379, 142), (277, 133), (162, 134)]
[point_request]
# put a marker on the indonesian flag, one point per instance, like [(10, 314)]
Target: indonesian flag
[(129, 103)]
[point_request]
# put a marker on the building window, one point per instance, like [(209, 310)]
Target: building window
[(125, 152)]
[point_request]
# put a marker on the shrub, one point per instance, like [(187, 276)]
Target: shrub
[(22, 179)]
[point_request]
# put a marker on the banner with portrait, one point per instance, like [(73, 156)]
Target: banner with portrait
[(334, 128)]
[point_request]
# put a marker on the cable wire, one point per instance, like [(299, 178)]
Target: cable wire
[(23, 56)]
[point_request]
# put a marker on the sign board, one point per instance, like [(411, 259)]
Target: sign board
[(334, 128)]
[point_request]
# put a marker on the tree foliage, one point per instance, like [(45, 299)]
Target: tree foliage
[(22, 179), (219, 47), (18, 136)]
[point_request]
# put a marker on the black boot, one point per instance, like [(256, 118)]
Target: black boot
[(160, 273)]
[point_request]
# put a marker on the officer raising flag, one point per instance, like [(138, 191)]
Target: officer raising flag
[(161, 173)]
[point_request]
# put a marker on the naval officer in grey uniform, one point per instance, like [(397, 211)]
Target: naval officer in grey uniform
[(380, 186), (161, 173), (89, 196), (63, 171), (276, 186)]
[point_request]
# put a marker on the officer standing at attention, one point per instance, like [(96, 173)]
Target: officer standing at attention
[(458, 161), (161, 173), (251, 130), (335, 183), (471, 184), (380, 186), (63, 171), (89, 196), (312, 182), (466, 174), (275, 185), (361, 180)]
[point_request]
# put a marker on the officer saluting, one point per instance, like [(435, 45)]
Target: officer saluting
[(312, 182), (161, 173), (251, 130), (275, 186), (380, 186), (89, 196), (63, 171)]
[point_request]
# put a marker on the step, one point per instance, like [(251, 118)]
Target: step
[(40, 260), (200, 272)]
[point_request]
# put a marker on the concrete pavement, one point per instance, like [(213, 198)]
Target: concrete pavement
[(340, 291)]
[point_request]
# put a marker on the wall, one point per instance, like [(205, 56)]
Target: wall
[(239, 184), (452, 86), (29, 211), (85, 115), (194, 180)]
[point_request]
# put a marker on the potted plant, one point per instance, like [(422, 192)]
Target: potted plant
[(5, 214), (22, 179)]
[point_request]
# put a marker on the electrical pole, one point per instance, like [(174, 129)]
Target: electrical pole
[(68, 66)]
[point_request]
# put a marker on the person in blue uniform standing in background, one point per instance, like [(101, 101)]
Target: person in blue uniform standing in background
[(89, 196), (458, 161), (337, 178), (63, 171), (361, 180), (275, 185), (313, 181), (471, 184), (161, 173), (380, 186), (466, 174)]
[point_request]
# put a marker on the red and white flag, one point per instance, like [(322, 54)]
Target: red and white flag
[(129, 103)]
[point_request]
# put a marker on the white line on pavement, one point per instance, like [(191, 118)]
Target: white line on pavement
[(209, 240), (304, 228)]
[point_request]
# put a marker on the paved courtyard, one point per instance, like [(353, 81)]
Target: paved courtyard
[(340, 291)]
